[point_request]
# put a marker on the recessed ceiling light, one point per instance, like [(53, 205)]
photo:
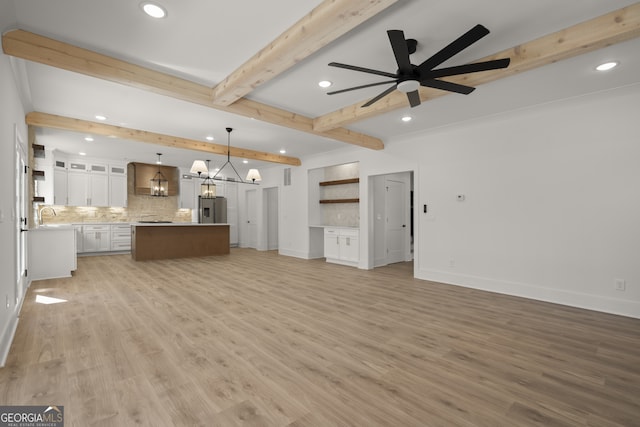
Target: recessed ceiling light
[(154, 10), (245, 161), (283, 151), (88, 138), (100, 117), (82, 154), (407, 118), (606, 66), (324, 83), (209, 138)]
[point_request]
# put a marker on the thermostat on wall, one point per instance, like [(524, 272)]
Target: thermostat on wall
[(460, 197)]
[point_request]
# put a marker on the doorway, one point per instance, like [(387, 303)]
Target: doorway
[(21, 197), (252, 219), (271, 220), (392, 216)]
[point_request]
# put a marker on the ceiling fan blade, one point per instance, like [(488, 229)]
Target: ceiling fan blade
[(456, 46), (400, 50), (451, 87), (468, 68), (414, 98), (363, 70), (361, 87), (381, 95)]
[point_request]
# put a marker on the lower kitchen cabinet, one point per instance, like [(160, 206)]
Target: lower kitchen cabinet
[(96, 238), (121, 237), (341, 245)]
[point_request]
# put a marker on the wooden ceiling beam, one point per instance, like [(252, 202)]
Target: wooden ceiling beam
[(33, 47), (324, 24), (603, 31), (52, 121)]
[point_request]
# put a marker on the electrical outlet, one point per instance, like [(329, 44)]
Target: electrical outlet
[(621, 285)]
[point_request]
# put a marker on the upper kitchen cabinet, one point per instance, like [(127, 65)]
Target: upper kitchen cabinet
[(118, 186), (89, 183)]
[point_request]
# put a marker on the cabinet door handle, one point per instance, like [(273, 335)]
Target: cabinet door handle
[(348, 241), (337, 240)]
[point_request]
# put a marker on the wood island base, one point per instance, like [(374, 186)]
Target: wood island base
[(166, 241)]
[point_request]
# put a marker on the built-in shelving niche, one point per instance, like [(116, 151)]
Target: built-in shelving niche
[(340, 182)]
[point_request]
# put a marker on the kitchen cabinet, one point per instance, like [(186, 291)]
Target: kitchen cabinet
[(96, 238), (118, 186), (341, 245), (59, 186), (87, 184), (188, 187), (120, 237), (52, 252), (98, 190), (77, 186)]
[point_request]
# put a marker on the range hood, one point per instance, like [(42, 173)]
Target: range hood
[(143, 172)]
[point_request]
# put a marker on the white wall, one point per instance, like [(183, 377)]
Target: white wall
[(11, 113), (551, 209)]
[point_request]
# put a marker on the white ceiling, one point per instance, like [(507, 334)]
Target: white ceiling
[(204, 41)]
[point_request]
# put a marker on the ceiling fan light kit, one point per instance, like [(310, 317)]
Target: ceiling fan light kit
[(409, 77)]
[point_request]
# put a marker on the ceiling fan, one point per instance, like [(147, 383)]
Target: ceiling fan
[(410, 77)]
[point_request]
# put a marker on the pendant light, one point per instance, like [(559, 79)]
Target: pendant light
[(254, 175), (228, 162), (159, 184), (208, 187)]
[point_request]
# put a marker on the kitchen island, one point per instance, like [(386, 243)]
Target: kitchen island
[(150, 241)]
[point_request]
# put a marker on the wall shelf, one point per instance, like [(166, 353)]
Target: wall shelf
[(38, 199), (38, 150), (340, 201), (37, 174), (340, 182)]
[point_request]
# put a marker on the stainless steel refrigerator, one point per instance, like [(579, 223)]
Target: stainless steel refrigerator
[(212, 211)]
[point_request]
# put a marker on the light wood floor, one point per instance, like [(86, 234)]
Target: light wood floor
[(257, 339)]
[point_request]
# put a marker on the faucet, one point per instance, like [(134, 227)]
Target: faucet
[(40, 219)]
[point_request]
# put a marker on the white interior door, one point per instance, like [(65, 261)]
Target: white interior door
[(396, 221), (21, 220), (271, 195), (252, 219)]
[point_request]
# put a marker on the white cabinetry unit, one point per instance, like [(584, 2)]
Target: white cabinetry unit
[(77, 184), (79, 238), (98, 190), (117, 186), (59, 186), (96, 238), (341, 245), (88, 184), (188, 192), (52, 252), (120, 237)]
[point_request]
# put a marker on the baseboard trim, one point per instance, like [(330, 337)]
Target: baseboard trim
[(295, 254), (557, 296), (7, 338)]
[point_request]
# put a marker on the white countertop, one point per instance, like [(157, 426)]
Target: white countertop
[(52, 227)]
